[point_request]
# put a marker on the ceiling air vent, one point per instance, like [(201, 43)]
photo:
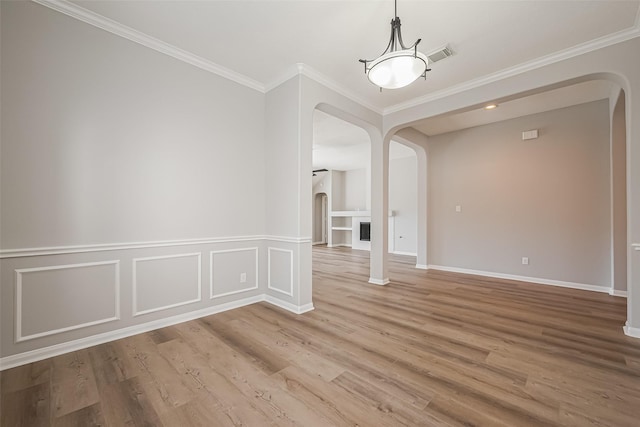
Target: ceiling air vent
[(440, 54)]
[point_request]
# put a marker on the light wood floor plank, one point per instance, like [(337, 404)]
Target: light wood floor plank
[(431, 348)]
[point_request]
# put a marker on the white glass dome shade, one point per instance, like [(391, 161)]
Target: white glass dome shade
[(397, 69)]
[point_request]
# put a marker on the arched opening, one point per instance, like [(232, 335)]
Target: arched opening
[(496, 196), (341, 165), (619, 241), (403, 200)]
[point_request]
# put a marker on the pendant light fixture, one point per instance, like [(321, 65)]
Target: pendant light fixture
[(398, 66)]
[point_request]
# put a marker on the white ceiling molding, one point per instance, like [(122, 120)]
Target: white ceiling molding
[(322, 79), (316, 75), (290, 73), (136, 36), (590, 46)]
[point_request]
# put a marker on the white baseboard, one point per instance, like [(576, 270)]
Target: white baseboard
[(379, 282), (82, 343), (318, 243), (631, 332), (404, 253), (339, 245), (422, 266), (617, 293), (536, 280), (296, 309)]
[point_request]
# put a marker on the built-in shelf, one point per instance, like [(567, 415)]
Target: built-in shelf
[(342, 228)]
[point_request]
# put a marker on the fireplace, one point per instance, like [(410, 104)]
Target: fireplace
[(365, 231)]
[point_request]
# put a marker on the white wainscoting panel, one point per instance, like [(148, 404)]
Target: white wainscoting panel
[(228, 267), (280, 270), (167, 281), (54, 299)]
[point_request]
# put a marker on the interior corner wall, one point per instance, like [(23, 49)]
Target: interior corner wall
[(132, 185), (403, 196), (281, 156), (289, 235), (547, 199), (338, 190)]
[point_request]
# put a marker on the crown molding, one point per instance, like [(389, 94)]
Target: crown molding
[(580, 49), (291, 72), (99, 21), (318, 77), (104, 23)]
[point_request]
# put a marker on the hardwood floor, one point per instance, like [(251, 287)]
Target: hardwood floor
[(429, 349)]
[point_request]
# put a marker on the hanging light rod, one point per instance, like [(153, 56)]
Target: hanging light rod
[(399, 65)]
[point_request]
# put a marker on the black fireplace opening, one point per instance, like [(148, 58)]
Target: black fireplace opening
[(365, 231)]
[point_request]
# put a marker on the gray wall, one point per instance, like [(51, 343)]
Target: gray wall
[(133, 185), (403, 196), (105, 141), (547, 199)]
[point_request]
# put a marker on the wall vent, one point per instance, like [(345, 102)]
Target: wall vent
[(439, 54)]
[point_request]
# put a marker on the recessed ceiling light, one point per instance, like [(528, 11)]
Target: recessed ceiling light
[(490, 106)]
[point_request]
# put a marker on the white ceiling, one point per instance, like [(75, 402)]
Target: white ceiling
[(551, 100), (260, 41), (263, 39)]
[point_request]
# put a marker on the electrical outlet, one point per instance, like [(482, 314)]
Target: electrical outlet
[(525, 260), (458, 208), (243, 277)]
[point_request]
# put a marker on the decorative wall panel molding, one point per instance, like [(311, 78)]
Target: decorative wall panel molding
[(168, 281), (73, 249), (227, 270), (54, 299), (280, 270)]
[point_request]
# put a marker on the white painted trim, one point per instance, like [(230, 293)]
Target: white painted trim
[(631, 332), (79, 344), (422, 266), (18, 300), (404, 253), (297, 309), (291, 72), (136, 36), (636, 246), (212, 295), (134, 287), (318, 77), (109, 25), (379, 282), (269, 249), (617, 293), (287, 239), (580, 49), (60, 250), (328, 82), (339, 245), (536, 280)]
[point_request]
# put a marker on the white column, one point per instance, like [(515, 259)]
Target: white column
[(379, 210)]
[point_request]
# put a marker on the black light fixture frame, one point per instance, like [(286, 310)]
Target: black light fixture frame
[(394, 40)]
